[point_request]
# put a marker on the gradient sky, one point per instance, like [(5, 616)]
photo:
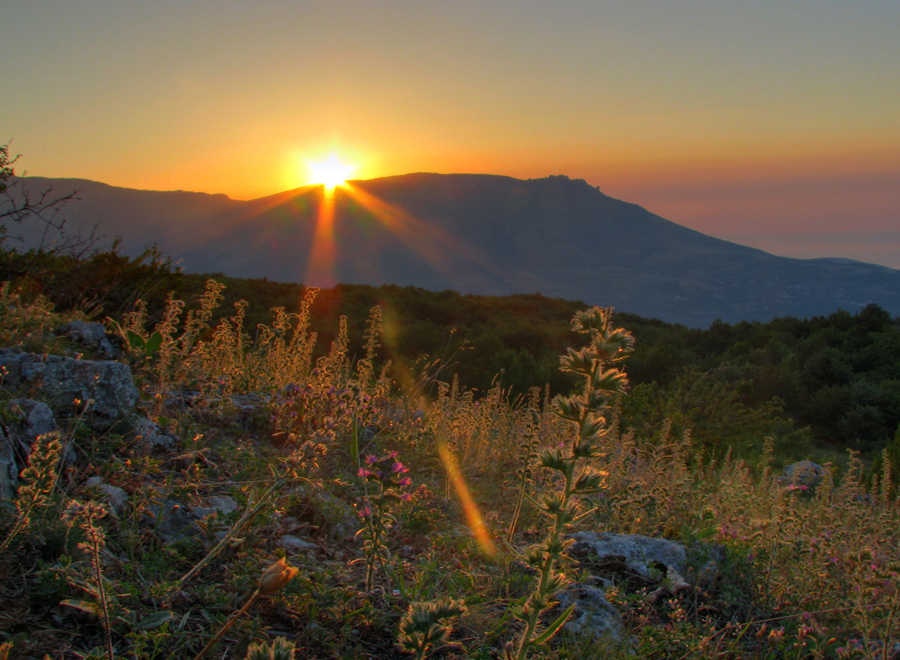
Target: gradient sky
[(772, 123)]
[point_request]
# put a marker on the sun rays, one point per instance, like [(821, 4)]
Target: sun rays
[(351, 209)]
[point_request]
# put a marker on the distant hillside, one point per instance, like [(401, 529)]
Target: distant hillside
[(483, 234)]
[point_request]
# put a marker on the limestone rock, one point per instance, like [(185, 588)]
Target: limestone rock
[(648, 557), (114, 496), (220, 505), (148, 433), (25, 421), (9, 470), (295, 543), (94, 337), (805, 473), (594, 616), (630, 561), (172, 521), (68, 384), (30, 419), (223, 504)]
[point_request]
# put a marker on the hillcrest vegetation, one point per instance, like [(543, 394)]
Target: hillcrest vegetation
[(186, 475)]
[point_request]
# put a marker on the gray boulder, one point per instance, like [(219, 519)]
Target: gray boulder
[(220, 505), (594, 616), (114, 496), (23, 422), (28, 419), (9, 469), (805, 473), (92, 336), (148, 433), (630, 562), (296, 544), (172, 521), (68, 384), (647, 557)]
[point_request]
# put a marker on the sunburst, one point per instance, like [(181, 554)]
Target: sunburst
[(330, 173)]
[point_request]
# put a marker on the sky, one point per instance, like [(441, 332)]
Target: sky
[(771, 123)]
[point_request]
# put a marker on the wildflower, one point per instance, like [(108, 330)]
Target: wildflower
[(775, 637), (276, 576), (399, 468)]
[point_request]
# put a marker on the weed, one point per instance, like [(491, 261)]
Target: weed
[(589, 413)]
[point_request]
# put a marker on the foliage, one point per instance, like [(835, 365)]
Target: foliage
[(589, 412), (384, 485), (806, 572)]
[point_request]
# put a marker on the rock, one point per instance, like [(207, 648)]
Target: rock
[(9, 470), (223, 504), (94, 337), (25, 420), (220, 505), (290, 542), (805, 473), (30, 419), (594, 616), (112, 495), (647, 557), (647, 560), (172, 521), (148, 433), (68, 384), (630, 562)]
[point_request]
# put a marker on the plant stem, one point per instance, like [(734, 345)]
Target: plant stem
[(234, 617)]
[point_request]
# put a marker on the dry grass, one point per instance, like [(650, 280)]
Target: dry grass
[(811, 573)]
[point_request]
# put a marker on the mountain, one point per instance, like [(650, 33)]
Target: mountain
[(479, 234)]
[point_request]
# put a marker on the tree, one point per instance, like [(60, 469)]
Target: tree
[(17, 203)]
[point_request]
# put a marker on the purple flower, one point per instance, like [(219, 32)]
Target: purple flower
[(371, 459), (405, 481), (399, 468), (364, 472)]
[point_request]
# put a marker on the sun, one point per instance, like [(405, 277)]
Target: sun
[(330, 173)]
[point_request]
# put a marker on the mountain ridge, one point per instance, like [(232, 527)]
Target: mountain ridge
[(483, 234)]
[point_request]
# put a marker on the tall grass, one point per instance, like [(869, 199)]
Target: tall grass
[(809, 571)]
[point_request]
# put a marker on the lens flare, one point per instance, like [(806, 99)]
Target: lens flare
[(470, 509)]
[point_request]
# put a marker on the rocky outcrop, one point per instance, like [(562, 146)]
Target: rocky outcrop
[(105, 387), (630, 562), (94, 337)]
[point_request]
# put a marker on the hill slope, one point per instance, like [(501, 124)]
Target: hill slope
[(481, 234)]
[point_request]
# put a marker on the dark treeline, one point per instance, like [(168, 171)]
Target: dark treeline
[(837, 376)]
